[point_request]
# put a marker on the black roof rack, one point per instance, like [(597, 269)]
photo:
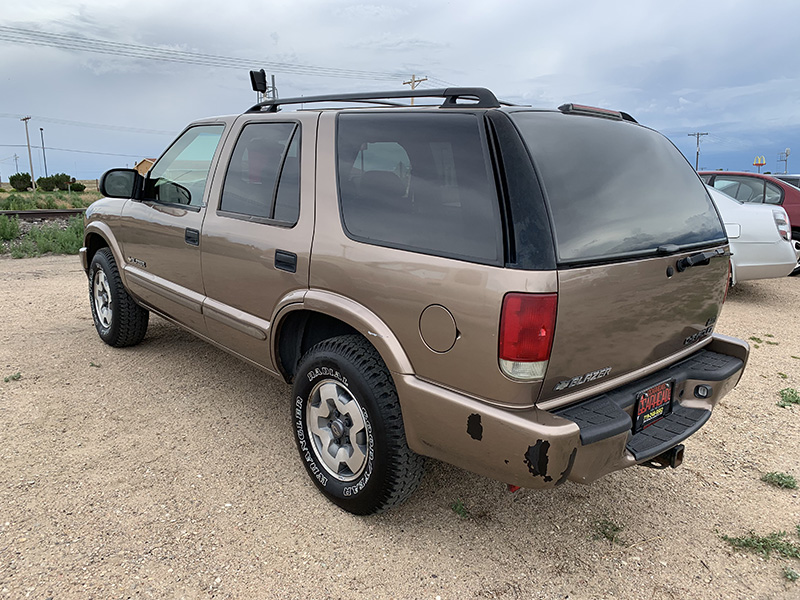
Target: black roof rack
[(482, 98)]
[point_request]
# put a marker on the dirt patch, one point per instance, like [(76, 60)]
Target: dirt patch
[(169, 470)]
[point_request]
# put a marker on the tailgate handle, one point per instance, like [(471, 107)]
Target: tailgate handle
[(192, 237), (286, 261), (699, 259)]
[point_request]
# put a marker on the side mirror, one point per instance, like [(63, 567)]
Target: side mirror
[(120, 183)]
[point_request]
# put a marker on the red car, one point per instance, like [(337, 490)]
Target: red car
[(759, 189)]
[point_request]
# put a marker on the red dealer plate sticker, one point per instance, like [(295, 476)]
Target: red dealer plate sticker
[(652, 404)]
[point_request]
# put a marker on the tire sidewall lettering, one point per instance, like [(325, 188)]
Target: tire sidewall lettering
[(326, 372), (343, 489)]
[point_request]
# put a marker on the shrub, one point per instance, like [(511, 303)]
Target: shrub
[(51, 238), (46, 184), (20, 181), (17, 202), (46, 201), (62, 181), (78, 187), (9, 228)]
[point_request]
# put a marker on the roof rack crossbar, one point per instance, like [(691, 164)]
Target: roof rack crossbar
[(482, 98)]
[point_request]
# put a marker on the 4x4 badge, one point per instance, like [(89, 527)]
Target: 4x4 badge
[(568, 383), (137, 261)]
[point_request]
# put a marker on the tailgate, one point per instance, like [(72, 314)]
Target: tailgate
[(615, 319)]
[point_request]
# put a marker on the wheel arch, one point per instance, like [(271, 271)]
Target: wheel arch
[(98, 235), (324, 315)]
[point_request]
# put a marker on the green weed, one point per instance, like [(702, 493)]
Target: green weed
[(790, 574), (15, 377), (782, 375), (9, 228), (781, 480), (757, 340), (50, 238), (769, 335), (772, 343), (17, 202), (765, 545), (607, 529), (93, 364), (459, 508), (789, 396)]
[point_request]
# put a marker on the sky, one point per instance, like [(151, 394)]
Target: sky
[(729, 69)]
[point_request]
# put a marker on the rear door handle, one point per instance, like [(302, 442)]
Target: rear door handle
[(192, 237), (286, 261)]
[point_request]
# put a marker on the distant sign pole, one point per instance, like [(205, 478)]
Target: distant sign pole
[(759, 161)]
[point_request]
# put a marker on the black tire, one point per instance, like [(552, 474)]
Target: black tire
[(118, 319), (796, 240), (350, 369)]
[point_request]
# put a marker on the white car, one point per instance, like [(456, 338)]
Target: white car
[(760, 236)]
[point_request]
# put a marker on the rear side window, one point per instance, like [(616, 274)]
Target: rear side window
[(263, 177), (616, 189), (744, 189), (419, 182)]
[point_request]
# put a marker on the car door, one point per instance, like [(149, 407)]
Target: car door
[(160, 233), (256, 238)]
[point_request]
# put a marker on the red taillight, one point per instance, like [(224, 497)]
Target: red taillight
[(526, 327)]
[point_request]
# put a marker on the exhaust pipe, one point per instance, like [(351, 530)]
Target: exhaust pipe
[(671, 458)]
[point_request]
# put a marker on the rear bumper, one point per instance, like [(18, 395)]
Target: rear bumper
[(536, 448)]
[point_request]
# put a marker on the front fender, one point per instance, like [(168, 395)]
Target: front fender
[(100, 229)]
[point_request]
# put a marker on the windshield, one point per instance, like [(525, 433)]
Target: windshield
[(616, 189)]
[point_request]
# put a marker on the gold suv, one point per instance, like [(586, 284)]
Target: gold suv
[(528, 294)]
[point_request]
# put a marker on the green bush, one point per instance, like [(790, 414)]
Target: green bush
[(17, 202), (20, 181), (62, 181), (46, 201), (78, 186), (46, 184), (51, 238), (9, 228)]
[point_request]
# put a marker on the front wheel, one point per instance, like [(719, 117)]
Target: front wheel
[(349, 428), (118, 319)]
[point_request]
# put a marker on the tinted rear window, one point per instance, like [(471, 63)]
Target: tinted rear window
[(419, 182), (616, 189)]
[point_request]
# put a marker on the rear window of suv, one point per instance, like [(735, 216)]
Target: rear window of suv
[(419, 182), (616, 189)]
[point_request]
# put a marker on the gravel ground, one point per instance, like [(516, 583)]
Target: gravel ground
[(169, 471)]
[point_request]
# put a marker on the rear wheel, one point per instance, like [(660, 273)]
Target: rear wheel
[(118, 319), (796, 241), (349, 428)]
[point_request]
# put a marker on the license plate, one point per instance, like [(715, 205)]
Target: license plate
[(651, 405)]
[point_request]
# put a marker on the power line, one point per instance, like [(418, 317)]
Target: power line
[(71, 150), (91, 125), (85, 44)]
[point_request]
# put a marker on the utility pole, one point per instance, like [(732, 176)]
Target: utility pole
[(44, 156), (414, 82), (30, 157), (697, 158)]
